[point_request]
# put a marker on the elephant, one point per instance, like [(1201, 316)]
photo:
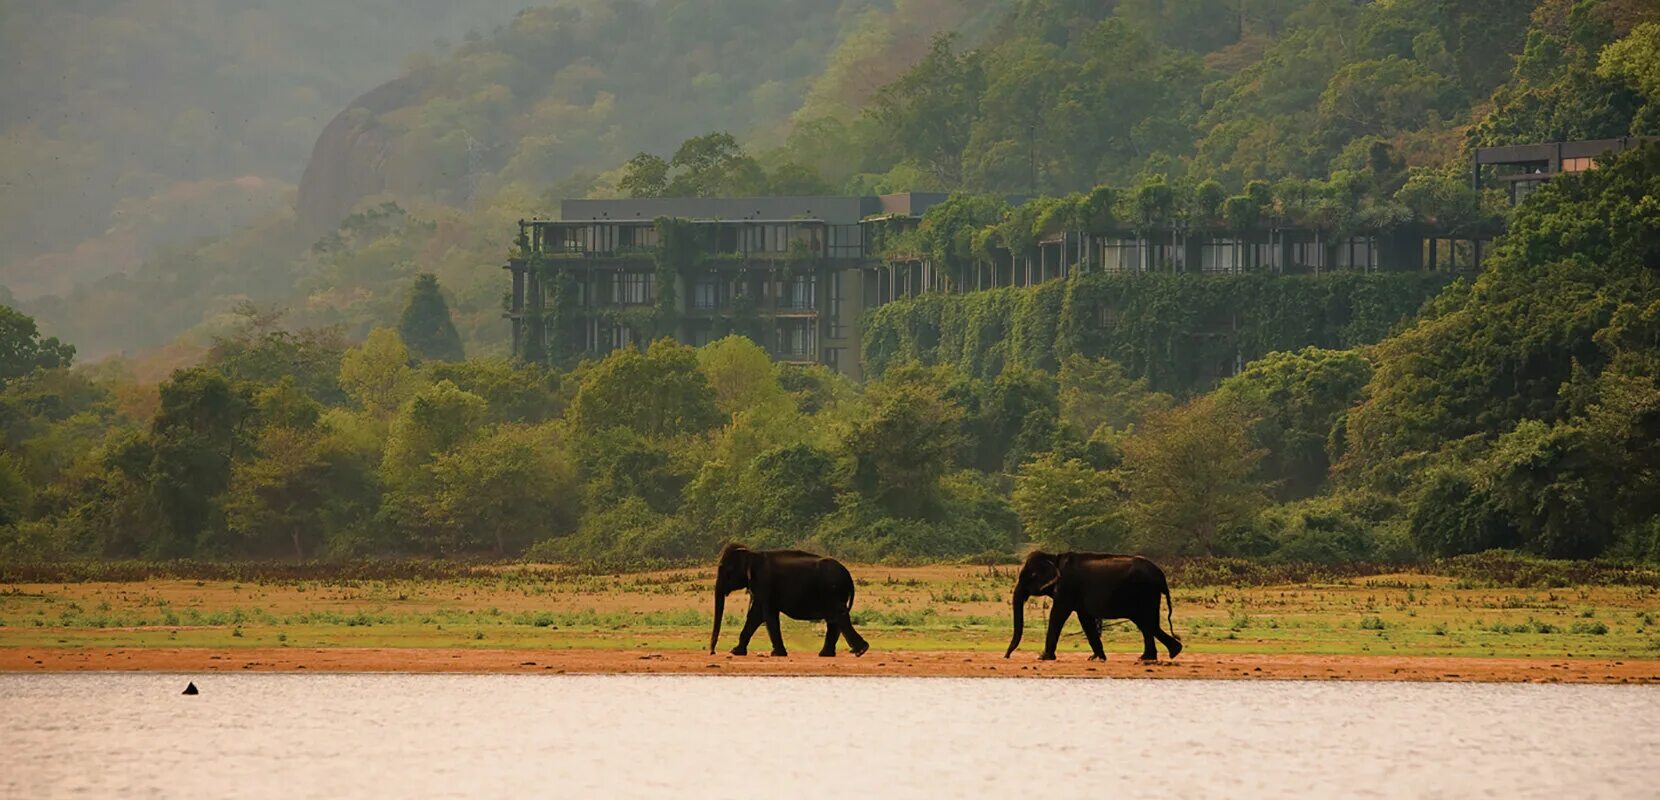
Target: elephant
[(1097, 586), (802, 585)]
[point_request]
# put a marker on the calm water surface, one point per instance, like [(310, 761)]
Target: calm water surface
[(104, 735)]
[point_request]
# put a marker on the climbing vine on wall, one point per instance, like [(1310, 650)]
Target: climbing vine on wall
[(1179, 331), (679, 251), (565, 346)]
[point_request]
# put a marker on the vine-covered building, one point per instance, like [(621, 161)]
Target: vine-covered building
[(796, 274), (793, 273)]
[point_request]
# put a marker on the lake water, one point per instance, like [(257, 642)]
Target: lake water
[(125, 735)]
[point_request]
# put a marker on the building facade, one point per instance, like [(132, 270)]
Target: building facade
[(797, 274), (793, 273), (1521, 169)]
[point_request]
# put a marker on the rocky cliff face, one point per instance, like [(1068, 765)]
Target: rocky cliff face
[(348, 162)]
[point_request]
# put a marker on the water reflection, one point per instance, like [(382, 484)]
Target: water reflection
[(448, 735)]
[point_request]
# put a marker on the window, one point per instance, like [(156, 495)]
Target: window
[(706, 293), (597, 238), (1355, 253), (603, 337), (833, 358), (1577, 164), (797, 339), (801, 293), (847, 241), (639, 236), (1217, 255), (1121, 255), (1308, 255), (571, 240), (634, 288)]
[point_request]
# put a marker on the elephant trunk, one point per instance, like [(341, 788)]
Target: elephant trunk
[(720, 610), (1019, 620)]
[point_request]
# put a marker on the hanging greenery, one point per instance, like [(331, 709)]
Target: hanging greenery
[(1180, 331)]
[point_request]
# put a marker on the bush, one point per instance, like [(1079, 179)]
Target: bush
[(1335, 529), (1452, 516), (628, 532)]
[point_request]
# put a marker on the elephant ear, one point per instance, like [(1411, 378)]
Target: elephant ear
[(1064, 560)]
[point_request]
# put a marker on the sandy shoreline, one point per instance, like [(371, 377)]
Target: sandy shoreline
[(907, 664)]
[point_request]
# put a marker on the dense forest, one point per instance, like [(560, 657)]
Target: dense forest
[(340, 393), (1520, 410), (1047, 95), (470, 137)]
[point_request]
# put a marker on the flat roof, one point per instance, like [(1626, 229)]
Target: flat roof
[(1546, 151), (832, 210)]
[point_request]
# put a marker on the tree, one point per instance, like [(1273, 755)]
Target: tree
[(512, 391), (903, 446), (260, 350), (502, 492), (1020, 415), (1095, 391), (15, 492), (645, 175), (292, 492), (376, 374), (713, 165), (434, 421), (1189, 475), (741, 374), (187, 458), (1451, 515), (1065, 504), (23, 351), (658, 393), (927, 116), (1558, 484), (425, 325), (1296, 400), (797, 180), (1635, 59)]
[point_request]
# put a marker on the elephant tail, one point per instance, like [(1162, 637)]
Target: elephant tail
[(852, 589), (1170, 609)]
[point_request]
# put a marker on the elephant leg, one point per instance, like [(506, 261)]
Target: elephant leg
[(1148, 651), (1057, 619), (752, 622), (856, 644), (1170, 641), (775, 634), (1092, 631), (830, 634)]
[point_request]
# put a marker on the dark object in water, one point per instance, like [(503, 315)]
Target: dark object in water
[(190, 688)]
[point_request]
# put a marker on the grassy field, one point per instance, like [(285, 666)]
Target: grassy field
[(898, 608)]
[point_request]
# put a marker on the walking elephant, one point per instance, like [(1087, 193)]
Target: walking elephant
[(802, 585), (1095, 586)]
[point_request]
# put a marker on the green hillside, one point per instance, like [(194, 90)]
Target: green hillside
[(124, 125), (1046, 95)]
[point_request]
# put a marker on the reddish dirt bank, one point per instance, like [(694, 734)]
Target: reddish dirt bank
[(914, 664)]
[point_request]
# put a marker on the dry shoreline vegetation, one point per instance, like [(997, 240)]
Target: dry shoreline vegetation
[(923, 620)]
